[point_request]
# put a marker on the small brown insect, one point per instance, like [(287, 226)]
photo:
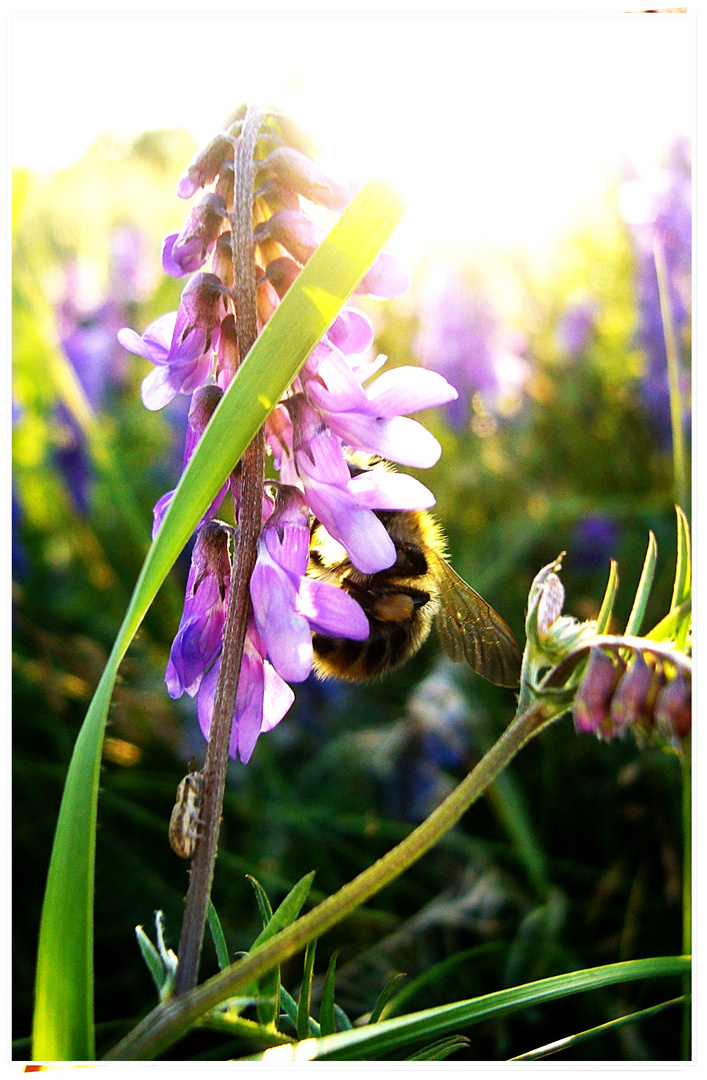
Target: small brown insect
[(184, 822)]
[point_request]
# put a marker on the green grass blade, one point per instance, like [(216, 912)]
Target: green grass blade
[(63, 1018), (607, 604), (633, 626), (288, 910), (263, 902), (305, 994), (385, 996), (218, 938), (152, 958), (682, 589), (601, 1029), (440, 1051), (327, 1023), (386, 1036)]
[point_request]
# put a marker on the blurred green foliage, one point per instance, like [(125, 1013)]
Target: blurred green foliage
[(573, 860)]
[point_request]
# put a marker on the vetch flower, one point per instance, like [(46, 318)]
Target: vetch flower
[(180, 343), (262, 698), (204, 402), (198, 639), (288, 607), (187, 251)]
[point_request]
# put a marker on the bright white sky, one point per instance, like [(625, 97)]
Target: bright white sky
[(502, 126)]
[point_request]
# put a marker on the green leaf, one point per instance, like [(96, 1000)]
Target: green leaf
[(263, 901), (633, 626), (288, 910), (388, 1035), (439, 1051), (607, 604), (152, 958), (682, 588), (305, 994), (218, 938), (63, 1016), (327, 1022), (385, 996), (289, 1006), (667, 628)]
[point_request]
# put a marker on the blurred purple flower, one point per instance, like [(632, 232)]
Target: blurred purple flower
[(575, 327), (594, 541), (461, 338), (657, 208)]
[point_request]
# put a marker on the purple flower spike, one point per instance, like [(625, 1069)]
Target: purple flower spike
[(187, 251), (200, 631), (285, 603)]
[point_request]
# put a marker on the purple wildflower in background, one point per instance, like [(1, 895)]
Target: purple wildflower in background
[(334, 407), (657, 208), (575, 327), (461, 338), (594, 541), (88, 325)]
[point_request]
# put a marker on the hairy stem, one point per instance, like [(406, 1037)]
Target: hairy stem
[(249, 523), (169, 1021)]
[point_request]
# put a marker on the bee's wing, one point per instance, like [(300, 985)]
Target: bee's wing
[(470, 630)]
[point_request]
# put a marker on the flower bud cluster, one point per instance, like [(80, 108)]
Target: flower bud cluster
[(644, 693), (332, 408)]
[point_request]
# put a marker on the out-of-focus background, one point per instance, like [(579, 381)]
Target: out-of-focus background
[(542, 157)]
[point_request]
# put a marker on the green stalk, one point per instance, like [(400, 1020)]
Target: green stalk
[(169, 1021), (671, 351)]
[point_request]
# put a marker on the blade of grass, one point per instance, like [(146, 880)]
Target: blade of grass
[(388, 1035), (218, 938), (305, 994), (63, 1017), (607, 604), (638, 610), (591, 1033), (327, 1023)]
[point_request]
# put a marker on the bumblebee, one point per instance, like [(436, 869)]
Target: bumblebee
[(402, 603)]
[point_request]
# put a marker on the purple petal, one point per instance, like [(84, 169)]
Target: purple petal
[(331, 611), (382, 490), (408, 389), (358, 529), (351, 331), (277, 698), (385, 279), (398, 439), (248, 714), (285, 632)]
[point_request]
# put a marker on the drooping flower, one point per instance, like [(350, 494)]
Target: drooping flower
[(179, 343), (198, 639), (289, 607)]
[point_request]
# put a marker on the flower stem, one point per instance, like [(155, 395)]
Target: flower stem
[(169, 1021), (671, 352), (249, 523)]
